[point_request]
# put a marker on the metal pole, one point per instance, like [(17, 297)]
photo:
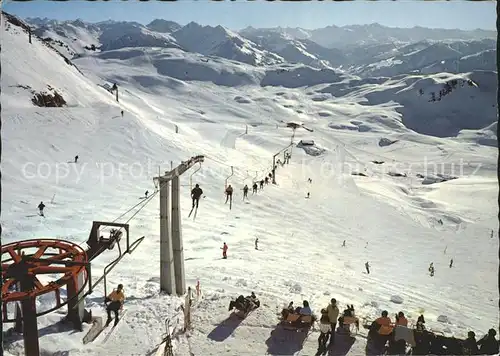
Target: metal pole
[(30, 325), (274, 169), (167, 281), (177, 246)]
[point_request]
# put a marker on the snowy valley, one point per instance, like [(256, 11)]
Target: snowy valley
[(401, 152)]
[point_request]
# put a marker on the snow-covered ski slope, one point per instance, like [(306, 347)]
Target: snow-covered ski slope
[(392, 222)]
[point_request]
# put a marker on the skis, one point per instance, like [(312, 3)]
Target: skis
[(195, 212), (122, 314), (31, 216), (92, 336)]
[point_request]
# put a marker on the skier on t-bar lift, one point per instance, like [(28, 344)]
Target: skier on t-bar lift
[(196, 193)]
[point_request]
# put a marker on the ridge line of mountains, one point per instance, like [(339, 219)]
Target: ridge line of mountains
[(363, 50)]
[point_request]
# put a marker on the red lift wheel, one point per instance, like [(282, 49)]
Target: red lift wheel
[(14, 268)]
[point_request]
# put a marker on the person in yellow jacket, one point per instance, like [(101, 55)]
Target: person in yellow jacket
[(333, 313), (116, 299)]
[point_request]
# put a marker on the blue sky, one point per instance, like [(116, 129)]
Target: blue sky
[(240, 14)]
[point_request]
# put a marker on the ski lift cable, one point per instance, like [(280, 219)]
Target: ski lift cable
[(148, 199), (143, 202), (129, 210), (236, 167)]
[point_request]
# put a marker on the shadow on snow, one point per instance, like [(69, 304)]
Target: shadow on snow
[(225, 328)]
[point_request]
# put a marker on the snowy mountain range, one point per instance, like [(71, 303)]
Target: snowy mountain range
[(293, 58), (401, 155), (369, 50)]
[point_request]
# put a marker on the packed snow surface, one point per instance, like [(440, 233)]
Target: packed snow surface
[(395, 222)]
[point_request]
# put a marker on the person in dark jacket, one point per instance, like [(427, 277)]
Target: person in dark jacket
[(489, 345), (470, 344), (196, 193), (254, 188), (40, 207), (245, 191), (229, 193)]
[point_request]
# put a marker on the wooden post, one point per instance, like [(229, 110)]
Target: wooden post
[(29, 34)]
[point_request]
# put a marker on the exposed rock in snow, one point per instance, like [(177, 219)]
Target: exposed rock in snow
[(397, 299), (242, 100), (383, 142), (443, 319), (438, 178), (396, 174), (312, 150)]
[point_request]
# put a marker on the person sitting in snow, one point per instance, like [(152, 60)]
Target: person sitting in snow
[(304, 310), (420, 323), (489, 344), (470, 344), (286, 311), (384, 319), (245, 304), (401, 319)]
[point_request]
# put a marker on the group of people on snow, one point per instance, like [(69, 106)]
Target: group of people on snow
[(197, 192), (245, 304), (327, 321), (397, 335)]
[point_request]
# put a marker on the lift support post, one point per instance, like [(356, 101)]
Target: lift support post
[(172, 273)]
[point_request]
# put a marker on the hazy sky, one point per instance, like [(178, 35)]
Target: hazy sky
[(240, 14)]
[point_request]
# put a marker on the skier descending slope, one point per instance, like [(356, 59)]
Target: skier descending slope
[(245, 192), (196, 193), (431, 269), (254, 188), (41, 206)]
